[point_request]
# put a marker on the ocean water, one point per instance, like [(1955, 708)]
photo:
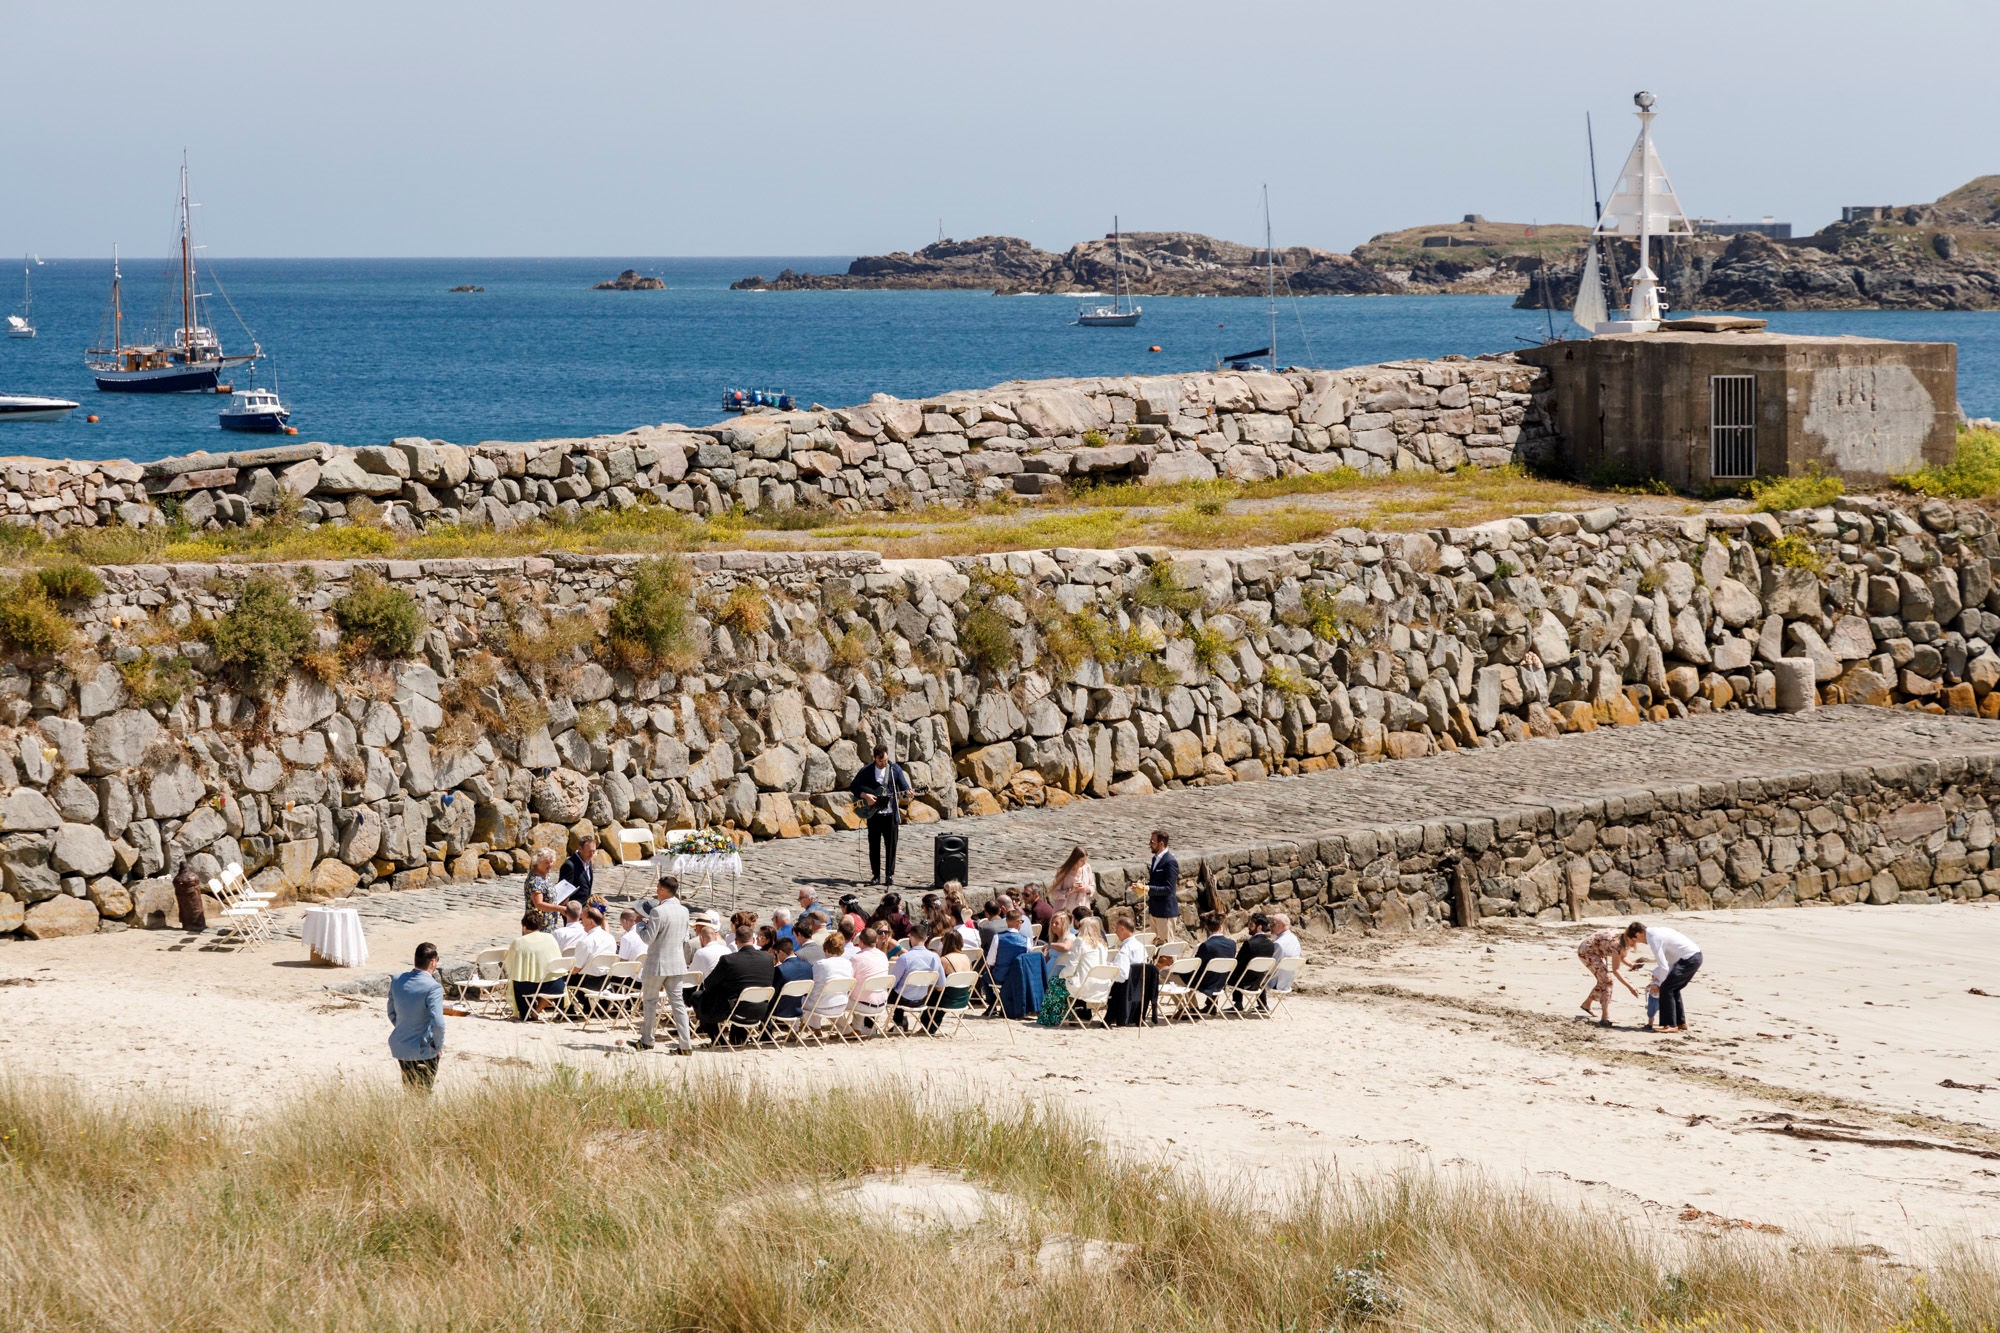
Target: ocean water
[(364, 350)]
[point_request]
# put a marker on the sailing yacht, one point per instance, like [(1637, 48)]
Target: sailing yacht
[(192, 362), (23, 324), (1245, 360), (1117, 315)]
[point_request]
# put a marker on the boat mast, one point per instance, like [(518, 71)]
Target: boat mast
[(1270, 280), (1117, 269), (117, 308), (187, 266)]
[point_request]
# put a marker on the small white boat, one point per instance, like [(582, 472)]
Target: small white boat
[(23, 324), (21, 407), (255, 410), (1117, 315)]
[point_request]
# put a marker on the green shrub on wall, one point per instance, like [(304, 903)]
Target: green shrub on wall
[(377, 620)]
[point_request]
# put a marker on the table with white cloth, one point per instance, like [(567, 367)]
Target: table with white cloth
[(704, 868), (333, 936)]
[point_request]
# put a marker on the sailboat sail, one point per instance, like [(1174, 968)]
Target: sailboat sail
[(1643, 189), (1590, 310)]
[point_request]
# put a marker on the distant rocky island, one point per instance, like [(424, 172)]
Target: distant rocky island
[(630, 281), (1939, 256), (466, 287), (1944, 255)]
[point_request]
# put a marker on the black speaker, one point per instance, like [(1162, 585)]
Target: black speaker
[(950, 860)]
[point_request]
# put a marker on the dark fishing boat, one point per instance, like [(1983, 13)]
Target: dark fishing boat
[(192, 361)]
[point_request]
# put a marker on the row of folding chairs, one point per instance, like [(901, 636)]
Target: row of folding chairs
[(246, 911), (1264, 984)]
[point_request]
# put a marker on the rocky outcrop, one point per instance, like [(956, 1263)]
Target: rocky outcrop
[(1098, 672), (1162, 263), (630, 281), (1025, 438)]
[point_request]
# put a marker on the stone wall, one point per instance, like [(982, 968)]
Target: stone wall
[(1017, 679), (1021, 438)]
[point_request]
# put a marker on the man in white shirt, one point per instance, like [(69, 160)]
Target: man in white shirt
[(631, 944), (1288, 947), (1128, 993), (595, 940), (572, 929), (711, 944), (1681, 957)]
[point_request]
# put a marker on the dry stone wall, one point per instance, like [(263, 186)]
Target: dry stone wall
[(1021, 438), (1017, 679)]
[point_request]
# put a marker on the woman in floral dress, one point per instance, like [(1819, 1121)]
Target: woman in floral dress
[(1603, 952)]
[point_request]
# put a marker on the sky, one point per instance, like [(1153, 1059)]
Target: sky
[(441, 128)]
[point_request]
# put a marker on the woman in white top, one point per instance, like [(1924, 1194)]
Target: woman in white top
[(1075, 883), (833, 963), (1090, 951)]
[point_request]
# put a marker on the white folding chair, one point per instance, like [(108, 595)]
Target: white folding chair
[(924, 981), (1093, 990), (954, 999), (867, 1003), (751, 997), (1178, 987), (489, 977), (819, 1016), (1170, 949), (1204, 1002), (1279, 987), (244, 916), (631, 844), (794, 1023), (1256, 975), (581, 1000), (622, 994)]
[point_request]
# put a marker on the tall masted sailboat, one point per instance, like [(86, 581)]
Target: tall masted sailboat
[(1117, 315), (192, 362)]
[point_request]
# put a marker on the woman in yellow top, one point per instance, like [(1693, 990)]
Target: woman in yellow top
[(531, 965)]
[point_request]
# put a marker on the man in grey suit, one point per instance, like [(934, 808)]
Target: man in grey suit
[(416, 1020), (666, 928)]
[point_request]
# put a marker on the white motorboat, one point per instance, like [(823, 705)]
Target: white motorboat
[(21, 407), (256, 410)]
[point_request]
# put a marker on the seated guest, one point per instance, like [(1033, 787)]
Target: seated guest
[(1039, 909), (1218, 943), (1258, 944), (579, 873), (1129, 992), (781, 925), (823, 1006), (869, 959), (1060, 944), (889, 912), (992, 920), (571, 930), (531, 966), (906, 995), (1088, 951), (955, 903), (595, 941), (809, 935), (710, 945), (1287, 945), (734, 973), (631, 942), (850, 921), (766, 937), (809, 902), (790, 968), (1016, 970)]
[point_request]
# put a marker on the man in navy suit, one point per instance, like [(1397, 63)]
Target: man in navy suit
[(1163, 889), (579, 872)]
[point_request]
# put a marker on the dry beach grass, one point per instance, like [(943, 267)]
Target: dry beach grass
[(568, 1201)]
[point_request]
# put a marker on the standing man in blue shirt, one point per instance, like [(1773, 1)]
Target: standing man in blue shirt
[(1163, 889), (416, 1020)]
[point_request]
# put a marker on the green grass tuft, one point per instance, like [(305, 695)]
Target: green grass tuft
[(1812, 489), (377, 619)]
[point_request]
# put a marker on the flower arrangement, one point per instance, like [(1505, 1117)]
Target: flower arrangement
[(702, 842)]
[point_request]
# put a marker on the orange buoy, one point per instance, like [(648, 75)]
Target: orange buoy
[(1154, 348), (291, 430), (92, 418)]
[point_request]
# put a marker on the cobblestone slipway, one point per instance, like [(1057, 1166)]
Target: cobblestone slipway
[(1725, 809)]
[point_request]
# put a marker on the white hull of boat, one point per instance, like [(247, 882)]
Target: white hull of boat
[(34, 409), (19, 328)]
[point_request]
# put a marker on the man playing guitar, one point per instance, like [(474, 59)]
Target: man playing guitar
[(879, 792)]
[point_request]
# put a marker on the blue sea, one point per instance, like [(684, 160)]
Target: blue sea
[(364, 350)]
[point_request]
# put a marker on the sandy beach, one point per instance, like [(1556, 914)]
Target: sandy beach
[(1841, 1079)]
